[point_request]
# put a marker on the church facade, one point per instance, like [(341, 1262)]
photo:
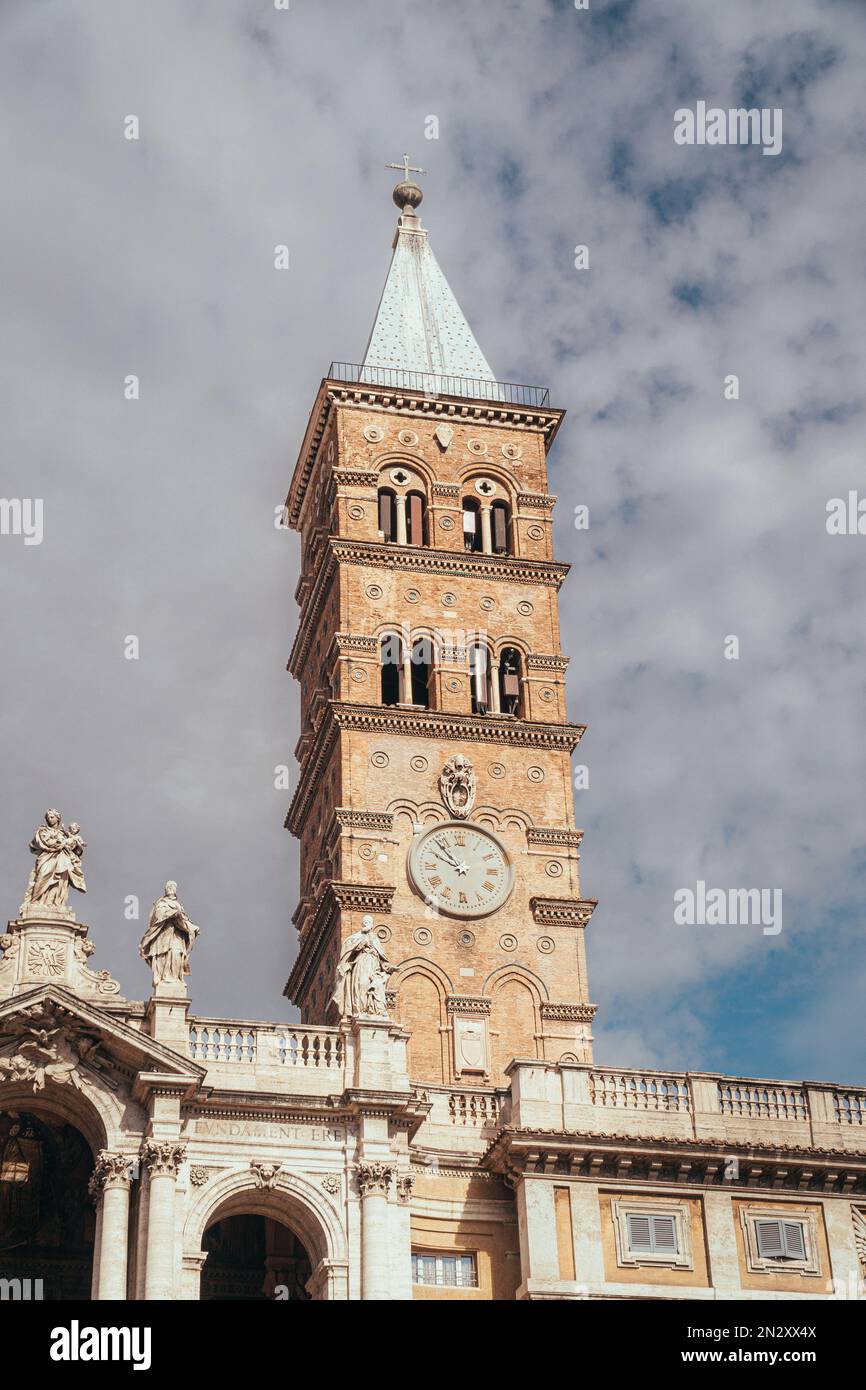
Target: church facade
[(436, 1125)]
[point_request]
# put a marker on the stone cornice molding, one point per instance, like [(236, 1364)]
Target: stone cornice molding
[(364, 820), (536, 501), (455, 564), (419, 723), (551, 837), (553, 1012), (562, 912), (467, 1004), (519, 1152), (356, 477), (546, 661)]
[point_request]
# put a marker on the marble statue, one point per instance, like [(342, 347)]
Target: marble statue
[(168, 940), (59, 850), (362, 974)]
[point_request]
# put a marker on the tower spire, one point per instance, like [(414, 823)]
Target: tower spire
[(420, 328)]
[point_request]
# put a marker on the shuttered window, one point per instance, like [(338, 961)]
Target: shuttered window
[(416, 519), (387, 516), (781, 1240), (651, 1235), (500, 528)]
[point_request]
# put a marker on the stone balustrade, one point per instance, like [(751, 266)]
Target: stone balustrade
[(232, 1049), (581, 1098)]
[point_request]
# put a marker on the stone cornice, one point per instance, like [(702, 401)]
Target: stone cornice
[(526, 1152), (455, 564), (536, 501), (413, 404), (467, 1004), (363, 820), (355, 477), (546, 661), (568, 1013), (562, 912), (420, 723), (552, 837)]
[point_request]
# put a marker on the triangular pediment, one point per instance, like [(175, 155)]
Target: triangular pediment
[(49, 1034)]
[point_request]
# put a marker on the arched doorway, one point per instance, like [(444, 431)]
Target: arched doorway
[(47, 1218), (251, 1257)]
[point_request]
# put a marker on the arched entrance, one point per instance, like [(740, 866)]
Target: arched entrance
[(47, 1219), (250, 1256)]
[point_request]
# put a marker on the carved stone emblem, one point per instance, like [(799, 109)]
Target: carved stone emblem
[(443, 434), (46, 958), (198, 1175), (457, 785), (405, 1183), (265, 1174), (331, 1183)]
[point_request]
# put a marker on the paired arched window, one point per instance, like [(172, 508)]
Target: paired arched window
[(403, 514), (486, 526), (406, 670)]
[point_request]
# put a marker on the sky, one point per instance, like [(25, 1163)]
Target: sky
[(554, 128)]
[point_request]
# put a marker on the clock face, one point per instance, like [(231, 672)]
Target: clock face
[(461, 870)]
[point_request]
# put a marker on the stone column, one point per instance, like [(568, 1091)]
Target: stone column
[(374, 1181), (401, 518), (486, 529), (110, 1184), (407, 669), (162, 1158), (494, 685)]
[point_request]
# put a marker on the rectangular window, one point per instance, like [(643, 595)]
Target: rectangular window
[(445, 1271), (651, 1235), (781, 1240)]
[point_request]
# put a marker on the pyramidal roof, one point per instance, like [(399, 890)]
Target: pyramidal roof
[(420, 328)]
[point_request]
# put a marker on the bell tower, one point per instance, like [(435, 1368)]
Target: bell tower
[(434, 793)]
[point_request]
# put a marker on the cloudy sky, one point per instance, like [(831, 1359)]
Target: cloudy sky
[(707, 516)]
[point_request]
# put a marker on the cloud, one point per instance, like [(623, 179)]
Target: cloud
[(707, 515)]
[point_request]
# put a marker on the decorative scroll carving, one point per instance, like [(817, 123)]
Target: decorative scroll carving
[(374, 1178), (457, 785), (405, 1183)]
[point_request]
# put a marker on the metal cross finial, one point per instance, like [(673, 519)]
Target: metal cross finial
[(407, 168)]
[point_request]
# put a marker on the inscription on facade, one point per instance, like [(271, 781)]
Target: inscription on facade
[(253, 1129)]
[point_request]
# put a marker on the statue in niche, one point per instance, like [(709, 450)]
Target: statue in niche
[(59, 850), (362, 974), (168, 940)]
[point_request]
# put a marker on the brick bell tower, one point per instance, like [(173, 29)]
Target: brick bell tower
[(434, 794)]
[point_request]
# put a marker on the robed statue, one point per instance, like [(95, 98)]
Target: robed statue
[(362, 974), (59, 850), (168, 940)]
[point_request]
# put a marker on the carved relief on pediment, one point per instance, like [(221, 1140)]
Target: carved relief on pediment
[(46, 1042)]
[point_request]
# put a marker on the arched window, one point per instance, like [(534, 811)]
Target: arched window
[(500, 519), (416, 518), (422, 669), (387, 514), (471, 524), (479, 677), (509, 681), (391, 659)]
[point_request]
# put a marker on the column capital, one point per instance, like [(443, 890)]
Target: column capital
[(163, 1157), (374, 1178), (110, 1170)]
